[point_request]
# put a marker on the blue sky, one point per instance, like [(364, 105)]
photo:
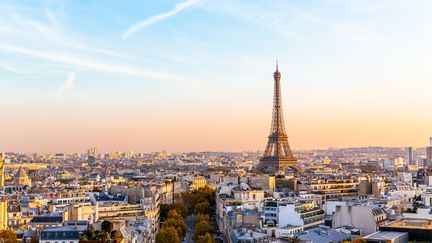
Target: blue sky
[(149, 70)]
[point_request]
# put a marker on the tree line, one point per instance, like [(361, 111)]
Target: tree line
[(104, 235), (8, 236), (174, 228)]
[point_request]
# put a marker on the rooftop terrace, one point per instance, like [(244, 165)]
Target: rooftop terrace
[(411, 224)]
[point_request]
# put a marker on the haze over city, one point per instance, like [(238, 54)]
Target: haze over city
[(215, 121), (196, 75)]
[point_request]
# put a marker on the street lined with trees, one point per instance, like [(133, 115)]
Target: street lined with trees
[(196, 207)]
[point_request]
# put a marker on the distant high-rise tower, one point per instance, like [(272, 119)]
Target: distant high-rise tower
[(429, 153), (2, 171), (412, 156), (91, 155), (277, 155)]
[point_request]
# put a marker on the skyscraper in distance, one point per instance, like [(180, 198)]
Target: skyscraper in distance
[(2, 175), (429, 153), (412, 156), (91, 155)]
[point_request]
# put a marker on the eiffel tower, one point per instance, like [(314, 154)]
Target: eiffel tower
[(277, 155)]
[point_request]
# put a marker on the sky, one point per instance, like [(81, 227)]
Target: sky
[(196, 75)]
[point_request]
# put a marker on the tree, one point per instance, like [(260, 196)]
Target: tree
[(293, 239), (116, 235), (164, 209), (167, 235), (207, 238), (107, 226), (103, 235), (202, 228), (202, 208), (360, 240), (409, 210), (202, 217), (178, 207), (178, 224), (8, 236), (90, 228), (181, 209), (208, 194), (82, 237), (172, 214), (198, 198), (186, 197), (90, 233)]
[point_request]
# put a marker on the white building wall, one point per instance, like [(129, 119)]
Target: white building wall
[(288, 216), (358, 216), (52, 241), (330, 206), (422, 213), (405, 195), (426, 199), (289, 232)]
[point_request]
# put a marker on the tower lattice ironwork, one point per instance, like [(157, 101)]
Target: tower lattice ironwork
[(278, 155)]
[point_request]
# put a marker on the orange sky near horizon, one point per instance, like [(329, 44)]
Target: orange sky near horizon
[(200, 78), (207, 133)]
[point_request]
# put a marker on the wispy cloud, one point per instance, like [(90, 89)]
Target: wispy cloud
[(159, 17), (288, 21), (66, 58), (348, 31), (48, 29), (51, 17), (61, 47), (68, 85), (10, 68), (265, 16)]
